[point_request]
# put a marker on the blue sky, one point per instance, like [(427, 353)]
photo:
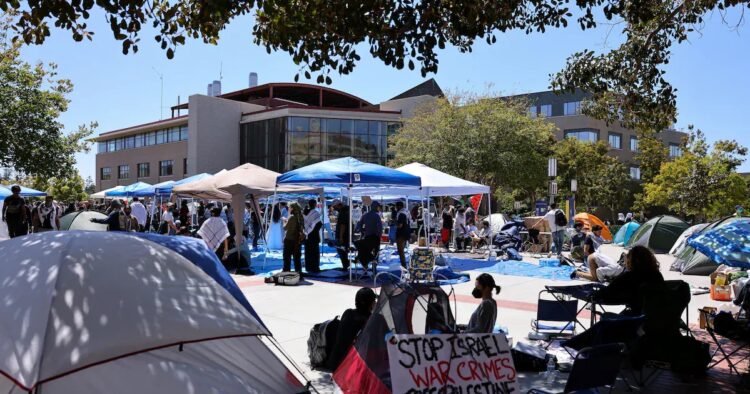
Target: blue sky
[(709, 72)]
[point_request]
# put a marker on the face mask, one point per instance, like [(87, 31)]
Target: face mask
[(476, 293)]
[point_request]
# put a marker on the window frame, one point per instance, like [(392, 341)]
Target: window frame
[(609, 141), (141, 167), (637, 170), (577, 105), (568, 134), (634, 139), (678, 149), (548, 112), (126, 172), (105, 175), (164, 165)]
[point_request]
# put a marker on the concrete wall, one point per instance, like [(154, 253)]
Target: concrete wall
[(175, 151), (214, 133)]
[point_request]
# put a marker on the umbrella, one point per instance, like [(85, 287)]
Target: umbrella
[(25, 192), (729, 245)]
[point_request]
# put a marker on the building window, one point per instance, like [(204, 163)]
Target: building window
[(588, 135), (572, 108), (165, 167), (634, 144), (675, 150), (546, 110), (615, 140), (123, 172), (183, 133), (635, 173), (106, 173), (184, 166), (144, 170), (139, 140), (532, 111), (101, 147)]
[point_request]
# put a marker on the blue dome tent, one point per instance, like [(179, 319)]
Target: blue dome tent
[(625, 232)]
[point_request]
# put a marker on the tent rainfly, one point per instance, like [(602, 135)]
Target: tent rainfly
[(659, 233), (590, 220), (681, 244), (167, 188), (692, 262), (625, 232)]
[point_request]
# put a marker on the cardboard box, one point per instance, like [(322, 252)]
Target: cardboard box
[(702, 323)]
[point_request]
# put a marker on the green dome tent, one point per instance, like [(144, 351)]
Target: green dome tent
[(81, 220), (659, 234), (693, 262)]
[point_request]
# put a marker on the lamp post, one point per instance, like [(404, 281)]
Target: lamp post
[(552, 174), (573, 190)]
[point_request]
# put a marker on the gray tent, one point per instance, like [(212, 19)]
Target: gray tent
[(659, 233), (81, 220), (693, 262)]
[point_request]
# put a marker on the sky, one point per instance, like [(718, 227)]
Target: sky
[(710, 73)]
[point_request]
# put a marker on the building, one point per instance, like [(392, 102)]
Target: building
[(564, 110), (279, 126)]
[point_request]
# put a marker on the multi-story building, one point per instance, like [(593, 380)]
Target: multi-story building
[(564, 110), (279, 126)]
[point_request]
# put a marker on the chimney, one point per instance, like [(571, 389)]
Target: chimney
[(252, 80)]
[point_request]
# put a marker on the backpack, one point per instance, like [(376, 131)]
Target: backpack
[(321, 341), (286, 278), (560, 218)]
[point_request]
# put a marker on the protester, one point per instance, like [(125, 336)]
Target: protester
[(576, 242), (641, 269), (184, 214), (555, 218), (15, 213), (342, 232), (447, 229), (352, 322), (593, 257), (49, 215), (479, 236), (371, 227), (215, 233), (130, 223), (275, 234), (295, 235), (255, 228), (115, 221), (471, 215), (460, 230), (139, 212), (483, 318), (403, 231), (36, 223), (313, 225)]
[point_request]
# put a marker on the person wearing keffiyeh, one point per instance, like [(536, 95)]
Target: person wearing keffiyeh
[(214, 232)]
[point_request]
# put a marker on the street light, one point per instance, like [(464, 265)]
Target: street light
[(552, 167), (573, 185)]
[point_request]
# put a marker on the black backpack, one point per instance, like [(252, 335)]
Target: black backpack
[(321, 341), (560, 218)]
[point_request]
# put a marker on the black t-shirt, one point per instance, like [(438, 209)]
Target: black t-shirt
[(590, 242), (577, 239), (447, 221), (14, 208)]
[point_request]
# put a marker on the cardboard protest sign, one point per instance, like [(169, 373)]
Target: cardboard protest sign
[(451, 364)]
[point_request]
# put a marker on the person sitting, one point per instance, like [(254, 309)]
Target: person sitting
[(593, 256), (352, 322), (479, 237), (641, 269), (576, 242), (483, 318)]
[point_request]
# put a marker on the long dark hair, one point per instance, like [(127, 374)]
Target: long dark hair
[(276, 215), (486, 280), (641, 259)]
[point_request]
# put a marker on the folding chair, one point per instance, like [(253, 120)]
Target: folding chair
[(553, 310), (594, 367), (533, 245), (726, 355), (421, 266)]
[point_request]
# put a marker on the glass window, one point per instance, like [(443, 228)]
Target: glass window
[(161, 136), (675, 150), (118, 144), (106, 173), (572, 108), (347, 125), (150, 138), (174, 134), (546, 110), (144, 170), (338, 145), (123, 172), (634, 144), (615, 140), (129, 142), (360, 127), (297, 123), (333, 125), (588, 135), (111, 146), (139, 139), (635, 173), (532, 111), (165, 167), (183, 133), (315, 124), (101, 146), (298, 143)]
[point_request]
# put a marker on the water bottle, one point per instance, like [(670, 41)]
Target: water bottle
[(551, 372)]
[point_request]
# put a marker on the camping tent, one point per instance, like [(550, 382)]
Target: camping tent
[(590, 220), (659, 233), (625, 232), (81, 220), (693, 262), (129, 190), (117, 313), (25, 191), (727, 245), (401, 309), (498, 220), (681, 243), (103, 193)]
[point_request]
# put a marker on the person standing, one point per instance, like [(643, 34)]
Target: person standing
[(15, 213), (313, 224), (255, 228), (371, 227), (295, 235), (139, 213), (49, 215), (557, 222), (447, 228), (342, 232), (403, 231), (275, 233), (115, 220), (167, 225), (184, 214), (215, 233), (459, 229)]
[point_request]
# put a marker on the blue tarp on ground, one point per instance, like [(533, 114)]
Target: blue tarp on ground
[(511, 267), (728, 244), (348, 171), (625, 232)]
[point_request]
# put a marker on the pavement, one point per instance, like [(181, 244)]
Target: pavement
[(290, 313)]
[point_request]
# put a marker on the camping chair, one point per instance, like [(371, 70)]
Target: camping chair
[(421, 266), (355, 261), (533, 245), (594, 367), (552, 310), (720, 343)]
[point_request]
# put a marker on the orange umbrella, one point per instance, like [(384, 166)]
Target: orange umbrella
[(590, 220)]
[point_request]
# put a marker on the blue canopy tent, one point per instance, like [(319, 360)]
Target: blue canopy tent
[(128, 191), (729, 245), (168, 188), (25, 191), (349, 173), (153, 190), (625, 232)]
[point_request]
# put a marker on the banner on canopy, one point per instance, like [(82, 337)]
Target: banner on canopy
[(451, 363)]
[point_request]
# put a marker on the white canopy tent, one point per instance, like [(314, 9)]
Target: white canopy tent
[(204, 189), (110, 312), (102, 194)]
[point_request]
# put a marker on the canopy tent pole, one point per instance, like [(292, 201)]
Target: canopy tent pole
[(349, 245), (489, 215), (265, 242)]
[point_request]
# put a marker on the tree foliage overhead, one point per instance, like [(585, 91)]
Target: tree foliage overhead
[(325, 36), (32, 139), (485, 140)]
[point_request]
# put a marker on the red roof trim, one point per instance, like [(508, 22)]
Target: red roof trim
[(362, 110), (145, 124)]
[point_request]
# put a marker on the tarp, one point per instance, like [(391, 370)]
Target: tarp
[(81, 220), (681, 243), (109, 312), (103, 193), (728, 245), (25, 191), (154, 190), (129, 190), (168, 188), (625, 232), (590, 220), (692, 262), (659, 234), (348, 171)]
